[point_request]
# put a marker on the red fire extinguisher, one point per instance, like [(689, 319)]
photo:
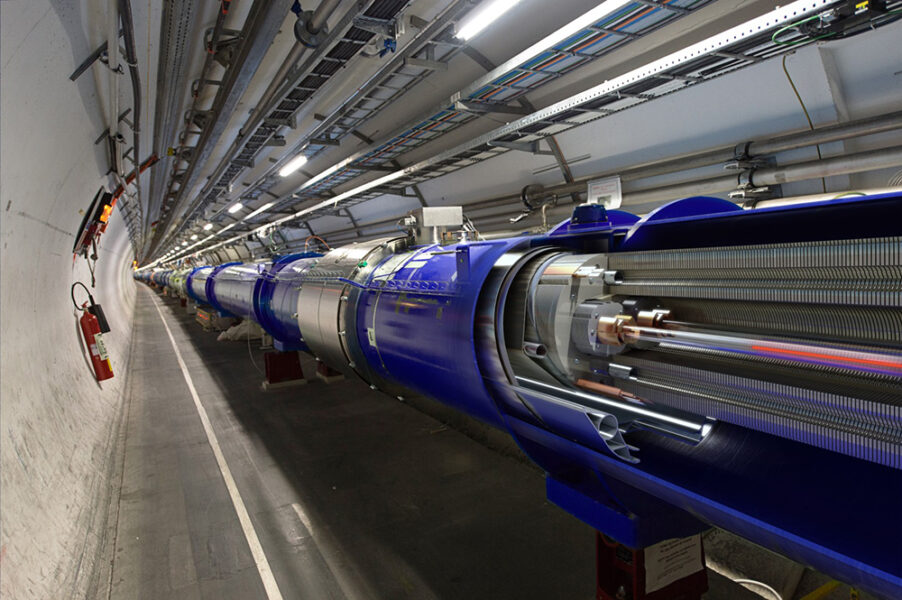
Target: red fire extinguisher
[(90, 328), (93, 324)]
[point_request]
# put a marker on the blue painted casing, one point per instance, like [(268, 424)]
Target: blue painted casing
[(276, 299), (416, 327), (210, 288), (233, 288), (198, 292)]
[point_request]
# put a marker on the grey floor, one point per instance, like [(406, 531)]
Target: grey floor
[(351, 493)]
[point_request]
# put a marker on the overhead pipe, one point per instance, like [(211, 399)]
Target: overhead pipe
[(277, 89), (265, 104), (706, 158), (113, 64), (870, 160), (839, 165), (131, 56), (449, 13), (646, 200), (262, 25), (166, 119), (321, 15), (782, 143)]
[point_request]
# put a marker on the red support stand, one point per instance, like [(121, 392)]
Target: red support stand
[(326, 373), (283, 369), (183, 302), (670, 570)]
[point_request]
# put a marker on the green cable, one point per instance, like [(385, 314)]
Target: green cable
[(805, 40)]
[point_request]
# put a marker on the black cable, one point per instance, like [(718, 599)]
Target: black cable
[(72, 294), (131, 58), (93, 257), (91, 269)]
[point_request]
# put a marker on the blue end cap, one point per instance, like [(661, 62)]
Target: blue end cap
[(589, 213)]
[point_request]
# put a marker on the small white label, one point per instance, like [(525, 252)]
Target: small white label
[(672, 560), (101, 347), (606, 192), (371, 336)]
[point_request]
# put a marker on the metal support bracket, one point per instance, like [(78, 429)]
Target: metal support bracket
[(418, 22), (530, 147), (324, 142), (310, 39), (291, 122), (390, 28)]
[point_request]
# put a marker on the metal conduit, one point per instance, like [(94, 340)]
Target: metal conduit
[(131, 57), (321, 14), (273, 94), (398, 59), (783, 143), (865, 161), (839, 165), (319, 18), (113, 76), (262, 24), (836, 165)]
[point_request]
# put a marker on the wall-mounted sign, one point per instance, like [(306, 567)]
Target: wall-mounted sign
[(605, 192)]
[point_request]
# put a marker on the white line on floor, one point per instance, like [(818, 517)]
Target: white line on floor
[(269, 581)]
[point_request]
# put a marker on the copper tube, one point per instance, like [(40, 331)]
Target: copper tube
[(607, 390)]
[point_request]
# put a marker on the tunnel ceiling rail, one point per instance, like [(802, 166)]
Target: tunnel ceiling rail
[(736, 48), (242, 52), (538, 66), (584, 40), (580, 43), (328, 59)]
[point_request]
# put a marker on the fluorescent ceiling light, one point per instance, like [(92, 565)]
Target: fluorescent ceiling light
[(235, 207), (194, 236), (483, 17), (259, 210), (208, 226), (226, 228), (184, 243), (293, 165)]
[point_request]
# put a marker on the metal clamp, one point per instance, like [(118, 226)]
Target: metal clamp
[(303, 34)]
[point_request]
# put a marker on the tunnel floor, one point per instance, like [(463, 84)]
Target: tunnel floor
[(351, 493)]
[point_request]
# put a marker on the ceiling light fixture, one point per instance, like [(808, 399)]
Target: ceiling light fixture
[(208, 226), (263, 208), (293, 165), (235, 207), (483, 17), (193, 237)]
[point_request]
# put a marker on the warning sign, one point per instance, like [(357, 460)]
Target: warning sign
[(671, 560)]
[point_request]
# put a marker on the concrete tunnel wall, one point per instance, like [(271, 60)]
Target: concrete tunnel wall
[(59, 426)]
